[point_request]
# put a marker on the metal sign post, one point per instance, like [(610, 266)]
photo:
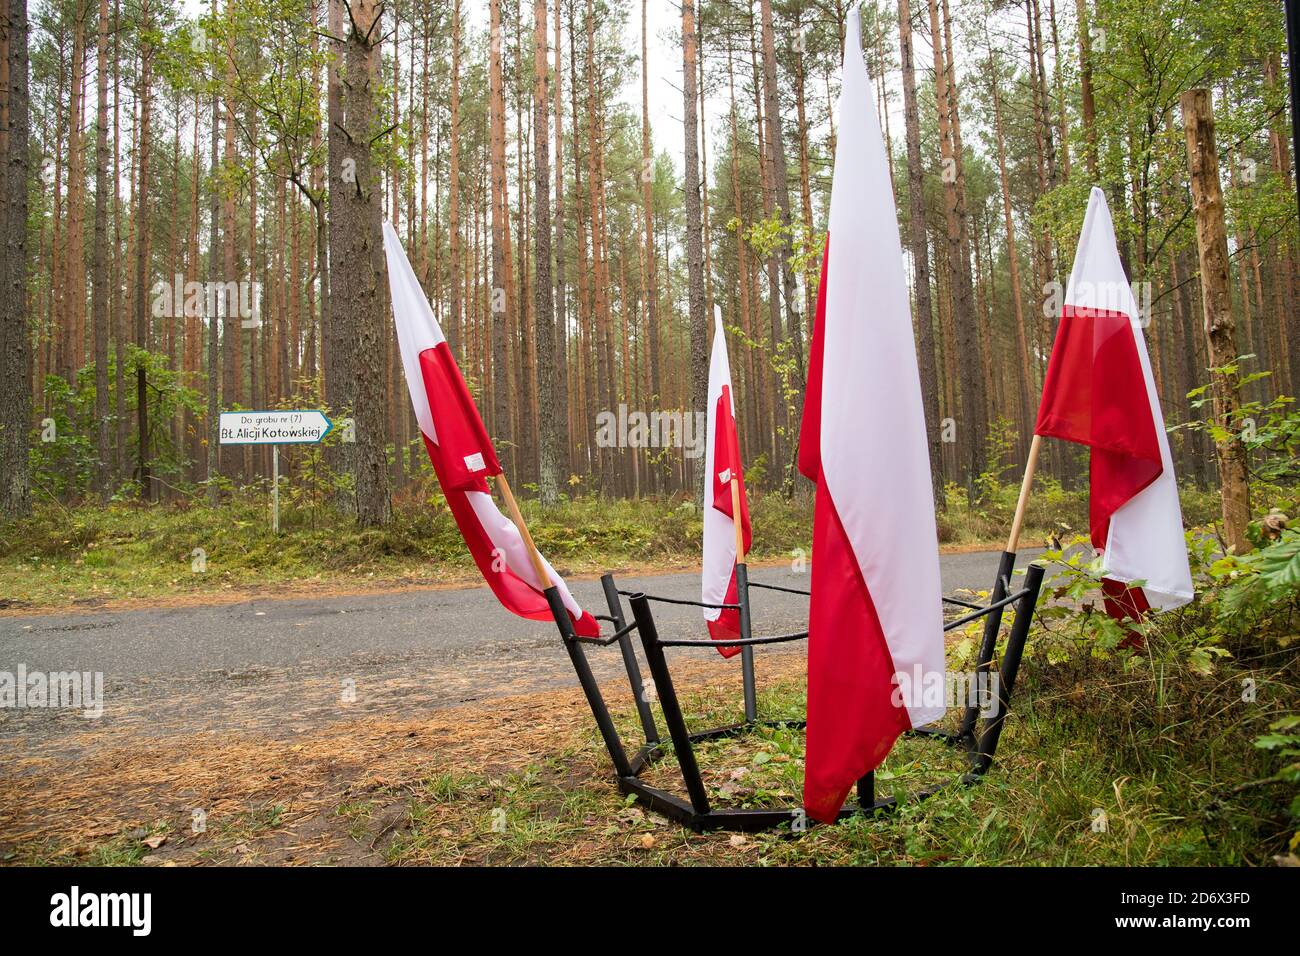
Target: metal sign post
[(275, 489), (274, 428)]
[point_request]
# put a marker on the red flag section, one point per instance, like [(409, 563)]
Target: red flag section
[(464, 446), (462, 454), (726, 463), (1094, 394), (722, 463), (1100, 392)]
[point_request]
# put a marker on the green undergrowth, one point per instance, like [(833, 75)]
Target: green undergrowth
[(91, 553)]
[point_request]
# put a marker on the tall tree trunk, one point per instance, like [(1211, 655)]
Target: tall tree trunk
[(601, 396), (117, 320), (1216, 302), (647, 203), (543, 302), (973, 425), (1025, 376), (337, 341), (919, 248), (694, 248), (74, 268), (99, 267), (231, 455), (213, 490), (500, 296), (561, 295), (1088, 104), (15, 348), (781, 191), (142, 266), (454, 266), (357, 254)]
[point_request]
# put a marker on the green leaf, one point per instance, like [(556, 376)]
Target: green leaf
[(1279, 564)]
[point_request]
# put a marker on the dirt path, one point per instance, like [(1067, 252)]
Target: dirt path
[(285, 799)]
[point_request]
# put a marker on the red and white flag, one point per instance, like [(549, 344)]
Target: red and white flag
[(1099, 392), (721, 463), (875, 620), (462, 453)]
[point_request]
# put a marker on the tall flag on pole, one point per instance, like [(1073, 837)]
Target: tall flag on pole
[(462, 453), (722, 464), (875, 619), (1099, 392)]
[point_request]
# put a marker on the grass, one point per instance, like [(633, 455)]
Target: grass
[(1126, 783), (92, 554)]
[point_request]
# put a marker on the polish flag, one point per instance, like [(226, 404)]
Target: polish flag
[(721, 462), (1099, 392), (875, 619), (462, 452)]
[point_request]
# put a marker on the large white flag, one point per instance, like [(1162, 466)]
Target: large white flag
[(875, 620)]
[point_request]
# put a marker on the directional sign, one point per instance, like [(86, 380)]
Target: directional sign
[(274, 428)]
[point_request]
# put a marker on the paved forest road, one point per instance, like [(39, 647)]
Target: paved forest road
[(282, 666)]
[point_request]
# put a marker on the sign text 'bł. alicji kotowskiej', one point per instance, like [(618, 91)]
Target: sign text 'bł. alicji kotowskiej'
[(273, 428)]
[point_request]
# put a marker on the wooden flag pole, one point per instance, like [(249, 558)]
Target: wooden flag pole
[(735, 519), (518, 519), (1013, 542)]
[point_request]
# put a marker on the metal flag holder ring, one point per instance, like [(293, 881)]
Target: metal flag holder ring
[(977, 738)]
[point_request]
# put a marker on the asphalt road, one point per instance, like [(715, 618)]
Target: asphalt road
[(281, 666)]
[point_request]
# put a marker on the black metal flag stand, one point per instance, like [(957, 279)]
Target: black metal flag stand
[(978, 739)]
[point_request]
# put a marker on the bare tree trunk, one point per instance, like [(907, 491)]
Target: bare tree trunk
[(99, 267), (543, 302), (781, 191), (561, 295), (1216, 302), (142, 268), (15, 348), (694, 249), (1089, 108), (357, 254), (1013, 260), (117, 321), (231, 455), (453, 187), (337, 343), (500, 283), (647, 202), (74, 268), (973, 426), (920, 256), (213, 313)]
